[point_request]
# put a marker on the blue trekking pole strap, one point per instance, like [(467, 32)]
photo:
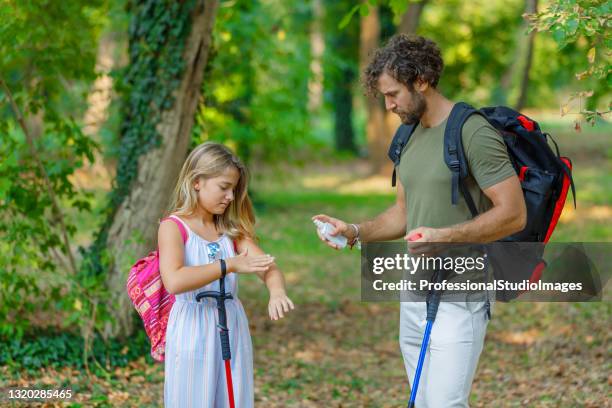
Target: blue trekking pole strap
[(433, 301)]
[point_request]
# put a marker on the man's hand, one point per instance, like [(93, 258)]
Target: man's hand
[(340, 228), (422, 240)]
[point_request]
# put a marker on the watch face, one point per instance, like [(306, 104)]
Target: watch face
[(213, 249)]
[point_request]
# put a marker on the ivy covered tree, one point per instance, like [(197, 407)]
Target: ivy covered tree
[(169, 44)]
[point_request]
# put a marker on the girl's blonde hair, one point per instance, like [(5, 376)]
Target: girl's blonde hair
[(206, 161)]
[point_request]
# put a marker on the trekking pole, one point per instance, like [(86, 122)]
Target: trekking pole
[(226, 354), (433, 301)]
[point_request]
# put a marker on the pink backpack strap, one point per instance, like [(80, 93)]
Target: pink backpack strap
[(179, 224)]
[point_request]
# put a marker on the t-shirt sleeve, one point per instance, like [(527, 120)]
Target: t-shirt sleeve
[(487, 155)]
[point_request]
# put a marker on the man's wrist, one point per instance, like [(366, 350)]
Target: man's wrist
[(350, 232), (355, 234), (448, 235)]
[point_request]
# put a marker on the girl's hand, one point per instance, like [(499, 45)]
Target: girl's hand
[(243, 263), (278, 305)]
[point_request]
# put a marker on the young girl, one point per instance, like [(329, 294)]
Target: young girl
[(211, 202)]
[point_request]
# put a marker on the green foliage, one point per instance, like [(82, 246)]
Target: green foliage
[(473, 66), (479, 42), (256, 91), (41, 59), (30, 233), (63, 349), (47, 66), (585, 26), (570, 20)]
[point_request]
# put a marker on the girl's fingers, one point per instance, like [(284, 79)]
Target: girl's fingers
[(290, 303), (279, 309), (266, 264), (273, 313), (258, 263), (264, 259), (285, 305)]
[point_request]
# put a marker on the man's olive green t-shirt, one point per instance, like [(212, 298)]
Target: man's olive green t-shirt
[(427, 180)]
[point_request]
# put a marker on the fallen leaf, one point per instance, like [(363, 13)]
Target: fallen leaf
[(591, 55)]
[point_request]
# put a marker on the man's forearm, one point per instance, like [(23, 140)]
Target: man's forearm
[(490, 226), (389, 225)]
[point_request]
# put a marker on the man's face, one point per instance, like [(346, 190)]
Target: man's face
[(409, 106)]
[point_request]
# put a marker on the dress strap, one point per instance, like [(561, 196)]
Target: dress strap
[(180, 224)]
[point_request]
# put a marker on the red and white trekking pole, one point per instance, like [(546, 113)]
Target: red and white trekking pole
[(226, 354)]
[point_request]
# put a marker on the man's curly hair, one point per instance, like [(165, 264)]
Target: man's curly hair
[(406, 58)]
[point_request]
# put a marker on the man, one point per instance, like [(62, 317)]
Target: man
[(406, 72)]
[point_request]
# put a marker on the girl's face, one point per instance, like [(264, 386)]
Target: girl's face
[(215, 194)]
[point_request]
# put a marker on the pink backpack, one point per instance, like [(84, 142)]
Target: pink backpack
[(150, 297)]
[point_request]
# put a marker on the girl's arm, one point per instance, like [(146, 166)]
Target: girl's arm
[(273, 277), (274, 280), (178, 278)]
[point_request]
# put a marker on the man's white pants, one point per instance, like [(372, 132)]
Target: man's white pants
[(455, 344)]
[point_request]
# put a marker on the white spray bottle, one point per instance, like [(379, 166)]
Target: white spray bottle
[(325, 230)]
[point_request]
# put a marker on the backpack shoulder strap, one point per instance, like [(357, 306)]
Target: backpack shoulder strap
[(454, 155), (400, 140), (179, 224)]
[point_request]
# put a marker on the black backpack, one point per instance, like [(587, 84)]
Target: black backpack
[(545, 176)]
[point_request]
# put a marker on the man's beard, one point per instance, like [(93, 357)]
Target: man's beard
[(413, 115)]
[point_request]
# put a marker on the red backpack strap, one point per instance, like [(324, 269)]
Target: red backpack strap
[(179, 224), (235, 246)]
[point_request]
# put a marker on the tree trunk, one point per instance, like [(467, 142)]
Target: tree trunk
[(342, 98), (134, 227), (408, 25), (376, 129), (381, 125), (98, 104), (412, 16), (99, 97), (317, 48), (342, 60), (531, 8)]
